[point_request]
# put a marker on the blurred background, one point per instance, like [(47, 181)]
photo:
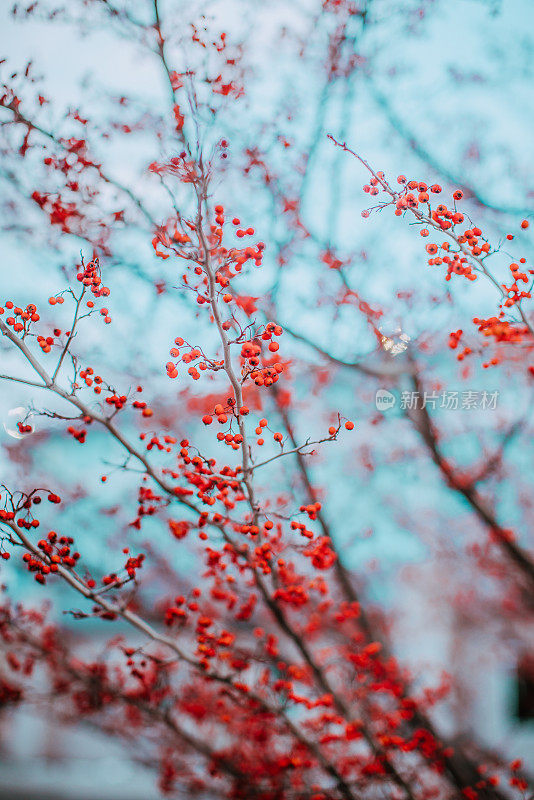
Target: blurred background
[(438, 91)]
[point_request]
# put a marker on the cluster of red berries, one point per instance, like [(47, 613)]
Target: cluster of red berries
[(23, 522), (254, 530), (457, 264), (45, 343), (311, 510), (501, 330), (133, 563), (454, 341), (57, 551), (89, 378), (269, 372), (320, 552), (193, 354), (176, 612), (179, 528), (89, 276), (154, 441), (205, 482), (119, 401), (259, 430), (240, 232), (417, 193), (59, 300), (78, 434), (454, 338), (407, 198), (514, 294), (294, 595), (39, 567), (301, 527), (21, 319)]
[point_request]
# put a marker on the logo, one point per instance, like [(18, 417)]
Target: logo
[(384, 400)]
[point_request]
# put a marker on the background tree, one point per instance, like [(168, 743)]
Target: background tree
[(196, 325)]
